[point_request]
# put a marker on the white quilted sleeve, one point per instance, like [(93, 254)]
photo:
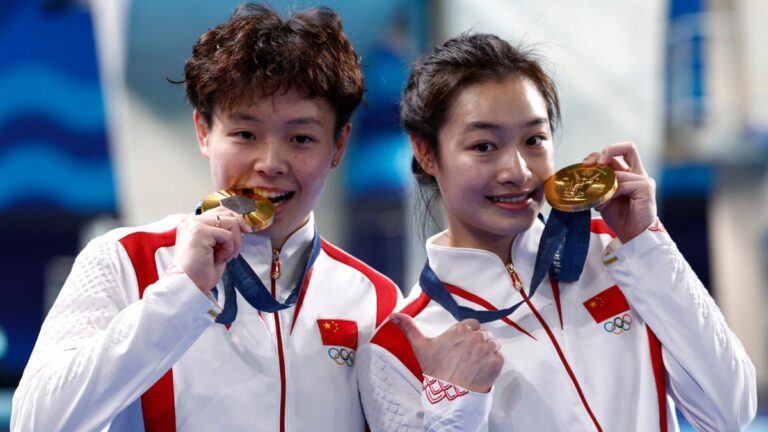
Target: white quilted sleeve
[(100, 347), (710, 375), (395, 401)]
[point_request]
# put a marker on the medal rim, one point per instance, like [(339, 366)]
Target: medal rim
[(259, 219), (553, 198)]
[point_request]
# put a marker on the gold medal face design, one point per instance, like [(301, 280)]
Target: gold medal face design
[(577, 188), (257, 212)]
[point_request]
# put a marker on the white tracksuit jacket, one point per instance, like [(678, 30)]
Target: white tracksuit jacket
[(103, 356), (614, 351)]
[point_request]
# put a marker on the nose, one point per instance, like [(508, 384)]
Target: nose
[(513, 167), (270, 158)]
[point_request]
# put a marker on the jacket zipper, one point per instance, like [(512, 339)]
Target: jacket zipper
[(518, 284), (274, 276)]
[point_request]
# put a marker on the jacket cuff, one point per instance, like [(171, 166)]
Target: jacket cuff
[(649, 239), (451, 407), (184, 296)]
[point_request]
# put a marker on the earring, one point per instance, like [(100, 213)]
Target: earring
[(334, 164)]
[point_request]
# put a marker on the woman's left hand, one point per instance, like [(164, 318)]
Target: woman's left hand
[(632, 209)]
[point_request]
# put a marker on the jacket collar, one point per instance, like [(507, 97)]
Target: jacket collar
[(257, 251), (483, 273)]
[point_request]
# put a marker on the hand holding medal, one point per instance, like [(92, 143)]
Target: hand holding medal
[(632, 209), (238, 276), (205, 243), (621, 191)]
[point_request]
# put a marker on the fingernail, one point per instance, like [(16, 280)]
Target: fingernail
[(601, 159), (395, 319)]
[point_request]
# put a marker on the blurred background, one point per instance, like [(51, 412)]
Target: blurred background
[(93, 136)]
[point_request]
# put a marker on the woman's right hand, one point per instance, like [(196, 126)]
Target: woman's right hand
[(464, 355), (206, 242)]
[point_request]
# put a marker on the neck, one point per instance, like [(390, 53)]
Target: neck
[(278, 238), (277, 243), (500, 246)]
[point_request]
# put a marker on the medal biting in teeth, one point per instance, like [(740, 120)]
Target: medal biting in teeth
[(258, 212)]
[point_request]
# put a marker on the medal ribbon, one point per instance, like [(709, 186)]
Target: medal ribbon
[(562, 252), (563, 247), (437, 291), (240, 277)]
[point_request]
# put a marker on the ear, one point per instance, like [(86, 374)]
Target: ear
[(424, 155), (340, 145), (201, 130)]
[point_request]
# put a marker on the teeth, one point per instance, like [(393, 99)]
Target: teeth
[(510, 199), (269, 194)]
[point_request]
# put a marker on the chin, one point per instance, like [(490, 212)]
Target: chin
[(519, 226)]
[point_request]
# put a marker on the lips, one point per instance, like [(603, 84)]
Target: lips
[(511, 201)]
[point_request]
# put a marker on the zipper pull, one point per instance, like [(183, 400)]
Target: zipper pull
[(275, 264), (516, 282)]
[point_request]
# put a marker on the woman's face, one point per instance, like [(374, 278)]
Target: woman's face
[(494, 154), (280, 147)]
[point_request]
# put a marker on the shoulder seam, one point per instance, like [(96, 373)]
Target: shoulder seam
[(390, 338), (142, 254), (334, 252), (386, 290)]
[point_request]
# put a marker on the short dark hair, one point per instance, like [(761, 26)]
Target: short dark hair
[(438, 77), (258, 53)]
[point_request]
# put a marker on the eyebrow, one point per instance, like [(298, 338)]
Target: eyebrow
[(481, 125), (294, 122), (245, 117), (304, 121)]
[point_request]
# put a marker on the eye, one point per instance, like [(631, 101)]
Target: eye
[(246, 135), (535, 140), (484, 147), (302, 139)]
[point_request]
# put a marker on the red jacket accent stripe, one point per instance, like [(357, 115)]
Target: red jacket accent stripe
[(466, 295), (659, 375), (391, 338), (141, 248), (386, 290), (300, 301), (280, 355), (556, 294), (564, 361), (157, 403), (598, 226)]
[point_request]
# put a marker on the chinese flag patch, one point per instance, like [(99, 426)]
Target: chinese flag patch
[(607, 304), (338, 332)]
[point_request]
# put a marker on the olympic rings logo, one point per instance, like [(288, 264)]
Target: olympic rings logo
[(618, 324), (342, 356)]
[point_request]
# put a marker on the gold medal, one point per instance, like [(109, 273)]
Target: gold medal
[(257, 212), (577, 188)]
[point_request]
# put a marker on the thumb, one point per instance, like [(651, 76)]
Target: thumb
[(408, 326)]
